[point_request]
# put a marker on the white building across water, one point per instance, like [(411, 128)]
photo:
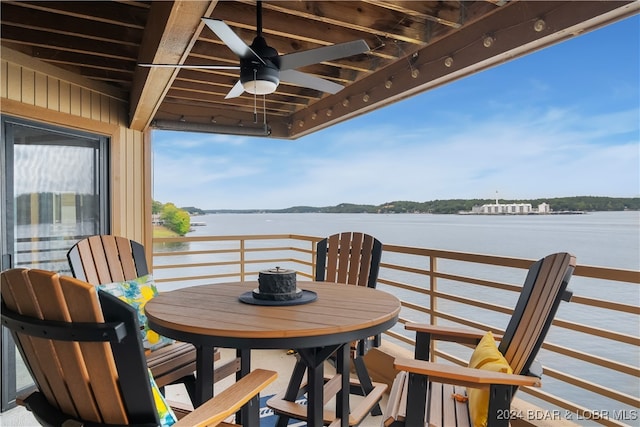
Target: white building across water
[(511, 209)]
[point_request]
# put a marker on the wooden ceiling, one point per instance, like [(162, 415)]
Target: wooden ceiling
[(415, 46)]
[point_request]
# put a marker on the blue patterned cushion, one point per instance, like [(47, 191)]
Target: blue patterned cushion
[(165, 413), (136, 293)]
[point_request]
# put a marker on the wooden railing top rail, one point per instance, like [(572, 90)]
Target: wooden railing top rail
[(237, 237), (594, 272)]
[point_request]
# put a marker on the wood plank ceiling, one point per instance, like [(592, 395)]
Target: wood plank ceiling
[(415, 46)]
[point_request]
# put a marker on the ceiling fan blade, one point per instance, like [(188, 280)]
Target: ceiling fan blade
[(202, 67), (235, 91), (307, 80), (321, 54), (231, 39)]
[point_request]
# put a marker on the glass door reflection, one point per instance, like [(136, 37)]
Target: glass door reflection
[(55, 187)]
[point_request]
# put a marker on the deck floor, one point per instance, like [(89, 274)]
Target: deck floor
[(277, 360)]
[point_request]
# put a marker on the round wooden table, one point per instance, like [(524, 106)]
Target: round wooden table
[(213, 316)]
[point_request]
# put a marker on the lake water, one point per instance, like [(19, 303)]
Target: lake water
[(606, 239)]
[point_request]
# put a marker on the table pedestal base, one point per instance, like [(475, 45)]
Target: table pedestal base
[(313, 363), (318, 391)]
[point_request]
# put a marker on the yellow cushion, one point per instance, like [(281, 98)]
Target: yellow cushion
[(486, 351), (486, 356)]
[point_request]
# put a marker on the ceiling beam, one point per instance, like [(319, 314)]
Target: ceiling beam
[(72, 25), (171, 31), (469, 54), (413, 9), (66, 43), (364, 18), (110, 12)]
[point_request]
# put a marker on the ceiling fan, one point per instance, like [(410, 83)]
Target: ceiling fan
[(262, 68)]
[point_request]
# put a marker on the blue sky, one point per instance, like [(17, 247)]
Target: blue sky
[(564, 121)]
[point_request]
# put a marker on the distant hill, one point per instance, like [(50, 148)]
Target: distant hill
[(452, 206)]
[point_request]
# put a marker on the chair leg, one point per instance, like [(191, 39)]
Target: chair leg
[(500, 397), (365, 382), (293, 389), (417, 395)]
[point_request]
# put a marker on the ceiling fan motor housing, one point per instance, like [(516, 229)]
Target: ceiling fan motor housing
[(256, 77)]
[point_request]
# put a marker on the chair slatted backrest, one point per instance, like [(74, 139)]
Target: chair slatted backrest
[(100, 378), (106, 259), (544, 287), (351, 258)]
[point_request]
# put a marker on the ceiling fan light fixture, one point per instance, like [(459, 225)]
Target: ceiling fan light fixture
[(260, 81), (260, 87)]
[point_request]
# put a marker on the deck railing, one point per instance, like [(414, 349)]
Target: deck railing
[(591, 355)]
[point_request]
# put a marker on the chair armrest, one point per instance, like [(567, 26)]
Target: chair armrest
[(460, 375), (229, 401), (448, 333)]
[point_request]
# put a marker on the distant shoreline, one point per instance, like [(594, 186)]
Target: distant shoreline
[(281, 211), (558, 206), (266, 211)]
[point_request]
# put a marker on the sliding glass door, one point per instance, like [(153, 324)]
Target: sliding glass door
[(54, 192)]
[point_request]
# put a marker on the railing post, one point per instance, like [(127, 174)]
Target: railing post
[(433, 303), (314, 257), (242, 269)]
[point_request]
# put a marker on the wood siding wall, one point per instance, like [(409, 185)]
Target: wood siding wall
[(36, 91)]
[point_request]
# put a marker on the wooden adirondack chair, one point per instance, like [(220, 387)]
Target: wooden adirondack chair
[(84, 351), (106, 259), (436, 392), (352, 259)]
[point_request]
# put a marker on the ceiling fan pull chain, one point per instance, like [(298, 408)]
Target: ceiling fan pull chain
[(264, 109)]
